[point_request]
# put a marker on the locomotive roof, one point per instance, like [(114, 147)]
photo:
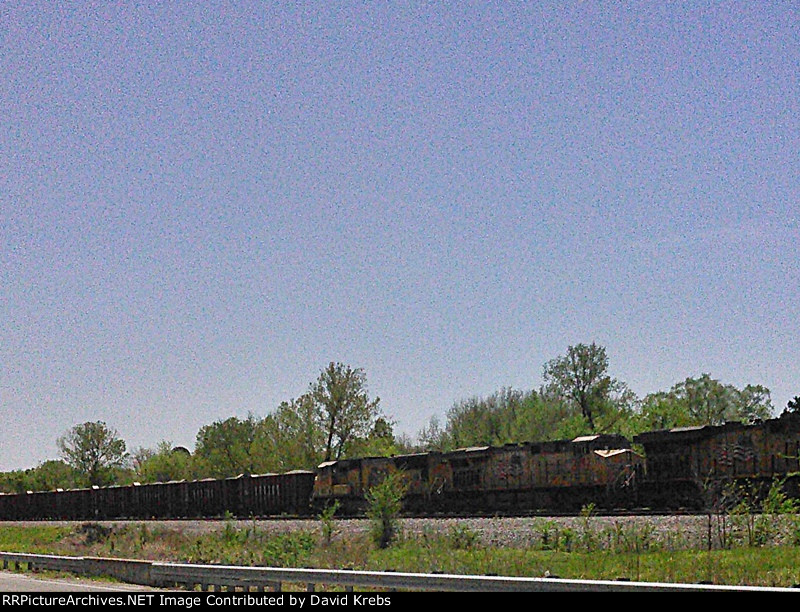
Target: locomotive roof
[(786, 422), (614, 451), (586, 438)]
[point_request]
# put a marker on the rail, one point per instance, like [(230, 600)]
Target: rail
[(217, 577)]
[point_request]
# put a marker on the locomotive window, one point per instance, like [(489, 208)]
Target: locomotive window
[(466, 478)]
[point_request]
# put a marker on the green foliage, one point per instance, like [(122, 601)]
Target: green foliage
[(94, 451), (228, 448), (328, 524), (707, 401), (479, 421), (579, 397), (380, 442), (250, 546), (777, 501), (503, 417), (775, 504), (47, 476), (546, 532), (51, 475), (42, 539), (662, 410), (586, 547), (294, 436), (432, 437), (15, 481), (384, 503), (461, 537), (164, 464)]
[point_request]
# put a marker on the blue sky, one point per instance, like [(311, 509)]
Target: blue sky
[(201, 206)]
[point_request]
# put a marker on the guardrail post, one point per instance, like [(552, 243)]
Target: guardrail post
[(391, 571)]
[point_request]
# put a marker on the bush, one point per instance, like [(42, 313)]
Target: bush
[(461, 537), (328, 526), (385, 501)]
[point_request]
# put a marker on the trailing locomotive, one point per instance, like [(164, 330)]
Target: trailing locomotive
[(690, 466), (679, 468)]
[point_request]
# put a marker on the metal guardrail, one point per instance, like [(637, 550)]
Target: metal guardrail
[(75, 565), (158, 574)]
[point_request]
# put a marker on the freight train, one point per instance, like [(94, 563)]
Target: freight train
[(681, 468)]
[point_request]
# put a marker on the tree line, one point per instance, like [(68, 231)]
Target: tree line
[(580, 397), (337, 419)]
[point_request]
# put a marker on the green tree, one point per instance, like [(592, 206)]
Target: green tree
[(16, 481), (228, 447), (581, 378), (380, 442), (343, 409), (165, 463), (508, 415), (539, 417), (710, 402), (663, 410), (482, 421), (293, 435), (94, 450), (753, 403), (794, 404), (52, 474)]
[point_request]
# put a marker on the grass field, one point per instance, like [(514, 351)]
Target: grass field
[(585, 552)]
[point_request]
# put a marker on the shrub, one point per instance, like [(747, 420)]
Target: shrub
[(385, 501), (326, 518), (462, 537)]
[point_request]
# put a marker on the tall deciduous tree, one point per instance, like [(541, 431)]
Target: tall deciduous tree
[(94, 450), (343, 408), (581, 378)]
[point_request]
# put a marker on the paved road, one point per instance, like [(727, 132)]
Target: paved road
[(25, 583)]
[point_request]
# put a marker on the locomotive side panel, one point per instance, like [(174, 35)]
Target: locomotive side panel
[(781, 443), (339, 481)]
